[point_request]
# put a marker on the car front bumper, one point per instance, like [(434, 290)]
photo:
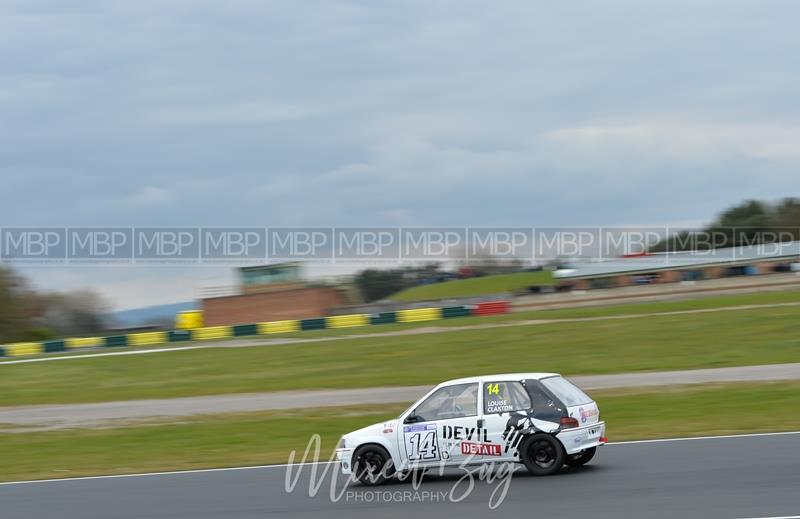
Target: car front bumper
[(345, 458), (582, 438)]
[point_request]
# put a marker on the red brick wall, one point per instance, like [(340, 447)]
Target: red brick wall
[(301, 303), (669, 276), (766, 267), (624, 281)]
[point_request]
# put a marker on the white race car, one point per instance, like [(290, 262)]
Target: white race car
[(539, 419)]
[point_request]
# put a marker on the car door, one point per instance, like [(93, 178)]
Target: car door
[(506, 412), (435, 430)]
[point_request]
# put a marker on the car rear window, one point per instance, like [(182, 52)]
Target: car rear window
[(566, 391)]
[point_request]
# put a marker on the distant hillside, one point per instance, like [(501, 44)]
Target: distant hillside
[(486, 285), (139, 316)]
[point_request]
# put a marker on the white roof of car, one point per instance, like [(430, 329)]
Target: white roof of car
[(500, 378)]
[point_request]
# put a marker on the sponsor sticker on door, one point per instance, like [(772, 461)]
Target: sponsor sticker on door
[(480, 449)]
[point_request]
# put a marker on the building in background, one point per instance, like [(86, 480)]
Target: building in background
[(674, 267), (271, 293)]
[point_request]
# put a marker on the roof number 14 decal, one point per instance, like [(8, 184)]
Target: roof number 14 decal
[(421, 442)]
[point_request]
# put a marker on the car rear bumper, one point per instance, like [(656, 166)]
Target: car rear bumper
[(581, 438), (345, 459)]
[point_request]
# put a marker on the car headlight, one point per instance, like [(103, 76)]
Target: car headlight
[(341, 443)]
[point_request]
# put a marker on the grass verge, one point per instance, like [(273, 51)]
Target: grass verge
[(608, 310), (263, 438), (646, 343)]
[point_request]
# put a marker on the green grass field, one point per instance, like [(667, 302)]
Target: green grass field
[(647, 343), (262, 438), (486, 285), (607, 310)]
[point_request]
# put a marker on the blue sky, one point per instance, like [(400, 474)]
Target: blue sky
[(259, 113)]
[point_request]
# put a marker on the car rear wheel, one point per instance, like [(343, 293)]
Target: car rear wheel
[(372, 465), (542, 454), (581, 458)]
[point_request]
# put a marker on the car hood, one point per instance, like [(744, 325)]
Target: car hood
[(379, 429)]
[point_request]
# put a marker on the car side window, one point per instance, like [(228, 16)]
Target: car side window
[(504, 397), (456, 401)]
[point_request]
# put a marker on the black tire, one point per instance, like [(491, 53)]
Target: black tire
[(581, 458), (372, 465), (542, 454)]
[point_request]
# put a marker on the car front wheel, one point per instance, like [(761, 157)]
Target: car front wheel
[(372, 465), (542, 454), (581, 458)]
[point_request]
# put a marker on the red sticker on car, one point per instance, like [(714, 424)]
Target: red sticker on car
[(480, 449)]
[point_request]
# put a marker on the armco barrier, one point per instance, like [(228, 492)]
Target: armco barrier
[(347, 321), (313, 324), (491, 308), (24, 348), (242, 330), (288, 326), (179, 335), (147, 338), (54, 346), (116, 340), (83, 342), (419, 314), (212, 332), (456, 311), (383, 318)]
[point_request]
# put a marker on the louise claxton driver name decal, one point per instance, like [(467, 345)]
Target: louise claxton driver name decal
[(495, 401)]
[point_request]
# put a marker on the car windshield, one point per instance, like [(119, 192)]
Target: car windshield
[(566, 391)]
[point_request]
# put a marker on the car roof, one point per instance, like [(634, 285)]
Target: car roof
[(500, 377)]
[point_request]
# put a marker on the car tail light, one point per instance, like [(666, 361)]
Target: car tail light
[(568, 422), (603, 439)]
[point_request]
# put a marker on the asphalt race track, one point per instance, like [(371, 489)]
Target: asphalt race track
[(727, 477)]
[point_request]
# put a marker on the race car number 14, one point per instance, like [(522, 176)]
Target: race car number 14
[(421, 442)]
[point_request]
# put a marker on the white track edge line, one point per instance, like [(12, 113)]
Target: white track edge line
[(716, 437)]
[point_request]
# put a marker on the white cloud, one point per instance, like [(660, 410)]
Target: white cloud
[(150, 196)]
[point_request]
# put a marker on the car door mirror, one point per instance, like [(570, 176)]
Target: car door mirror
[(412, 418)]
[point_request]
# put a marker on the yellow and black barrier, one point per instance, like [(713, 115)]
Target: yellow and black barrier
[(208, 333)]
